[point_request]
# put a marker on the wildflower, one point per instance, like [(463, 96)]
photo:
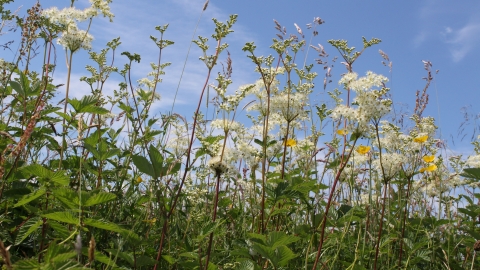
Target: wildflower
[(362, 150), (138, 181), (290, 142), (342, 132), (150, 221), (428, 159), (430, 168), (421, 139)]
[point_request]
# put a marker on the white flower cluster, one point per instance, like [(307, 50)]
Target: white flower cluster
[(227, 125), (218, 165), (72, 37), (392, 164), (180, 140), (369, 103)]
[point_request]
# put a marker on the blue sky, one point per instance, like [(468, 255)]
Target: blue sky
[(447, 33)]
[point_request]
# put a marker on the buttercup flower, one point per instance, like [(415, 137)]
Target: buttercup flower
[(290, 142), (428, 159), (430, 168), (421, 139), (138, 181), (362, 150), (342, 132)]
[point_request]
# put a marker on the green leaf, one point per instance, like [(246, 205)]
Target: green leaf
[(115, 253), (30, 197), (27, 264), (105, 225), (169, 259), (143, 165), (471, 173), (67, 196), (282, 256), (100, 257), (99, 198), (246, 265), (27, 228), (18, 88), (157, 160), (65, 217)]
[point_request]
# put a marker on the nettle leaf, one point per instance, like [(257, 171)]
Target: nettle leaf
[(282, 256), (44, 174), (67, 196), (105, 225), (99, 256), (99, 198), (27, 228), (276, 239), (27, 264), (471, 173), (143, 165), (30, 197), (65, 217), (246, 265)]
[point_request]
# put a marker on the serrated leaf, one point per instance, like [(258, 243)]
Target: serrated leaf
[(156, 158), (99, 256), (99, 198), (246, 265), (110, 153), (115, 253), (18, 88), (276, 239), (65, 217), (143, 165), (68, 197), (282, 256), (27, 228), (27, 264), (471, 173), (60, 177), (105, 225), (30, 197), (169, 259)]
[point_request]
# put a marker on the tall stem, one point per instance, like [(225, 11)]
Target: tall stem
[(69, 70)]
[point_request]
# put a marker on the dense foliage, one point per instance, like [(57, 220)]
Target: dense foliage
[(104, 182)]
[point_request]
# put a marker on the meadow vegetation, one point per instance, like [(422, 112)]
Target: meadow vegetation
[(262, 179)]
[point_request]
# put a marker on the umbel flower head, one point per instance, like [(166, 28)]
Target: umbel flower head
[(217, 165)]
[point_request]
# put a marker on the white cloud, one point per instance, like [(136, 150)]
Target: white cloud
[(463, 40)]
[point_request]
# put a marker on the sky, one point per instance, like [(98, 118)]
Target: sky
[(446, 33)]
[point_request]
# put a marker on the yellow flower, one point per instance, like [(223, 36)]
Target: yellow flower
[(290, 142), (430, 168), (362, 150), (342, 132), (151, 221), (428, 159), (421, 139), (138, 181)]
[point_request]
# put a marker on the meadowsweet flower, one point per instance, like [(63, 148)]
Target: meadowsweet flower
[(362, 150), (420, 139), (430, 168), (342, 132), (391, 162), (428, 159), (290, 142), (217, 165)]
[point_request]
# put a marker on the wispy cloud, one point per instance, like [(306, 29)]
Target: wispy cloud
[(462, 41), (442, 22)]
